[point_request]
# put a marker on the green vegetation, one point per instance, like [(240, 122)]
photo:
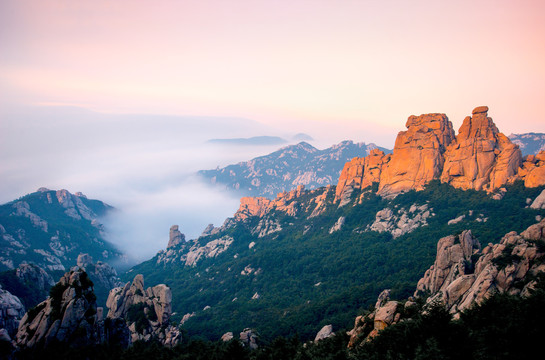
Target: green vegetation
[(140, 314), (306, 277)]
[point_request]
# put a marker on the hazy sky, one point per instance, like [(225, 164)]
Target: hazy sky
[(335, 69)]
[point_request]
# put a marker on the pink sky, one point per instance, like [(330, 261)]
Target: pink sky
[(348, 67)]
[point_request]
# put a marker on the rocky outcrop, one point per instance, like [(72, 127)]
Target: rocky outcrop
[(249, 337), (68, 315), (459, 281), (11, 313), (252, 206), (324, 333), (418, 154), (539, 202), (75, 208), (103, 276), (338, 225), (400, 221), (463, 275), (360, 173), (260, 206), (146, 311), (453, 255), (386, 313), (481, 157), (175, 237), (533, 170)]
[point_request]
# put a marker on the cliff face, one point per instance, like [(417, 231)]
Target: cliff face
[(481, 157), (360, 173), (418, 154)]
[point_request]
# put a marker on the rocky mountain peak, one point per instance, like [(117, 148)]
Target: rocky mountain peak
[(481, 158)]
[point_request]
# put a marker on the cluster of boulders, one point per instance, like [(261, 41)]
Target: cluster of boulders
[(248, 337), (401, 221), (463, 274)]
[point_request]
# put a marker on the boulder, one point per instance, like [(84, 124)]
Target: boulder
[(539, 202), (324, 333)]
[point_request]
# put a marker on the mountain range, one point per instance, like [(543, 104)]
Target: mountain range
[(529, 143), (287, 168), (51, 228), (310, 257), (431, 231)]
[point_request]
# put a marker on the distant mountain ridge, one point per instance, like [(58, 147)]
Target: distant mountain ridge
[(51, 228), (287, 168), (529, 143)]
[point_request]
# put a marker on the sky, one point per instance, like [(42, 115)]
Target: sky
[(95, 96)]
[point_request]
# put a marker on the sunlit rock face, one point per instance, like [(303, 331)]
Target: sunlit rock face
[(360, 173), (533, 170), (418, 154), (481, 157)]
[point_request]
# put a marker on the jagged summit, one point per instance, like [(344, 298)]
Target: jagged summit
[(480, 157)]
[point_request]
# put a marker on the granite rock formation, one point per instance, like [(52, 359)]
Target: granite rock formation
[(463, 275), (360, 173), (481, 157), (11, 313), (533, 170), (418, 154), (175, 237), (146, 311), (68, 315)]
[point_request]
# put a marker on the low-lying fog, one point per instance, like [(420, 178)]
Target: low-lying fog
[(143, 165)]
